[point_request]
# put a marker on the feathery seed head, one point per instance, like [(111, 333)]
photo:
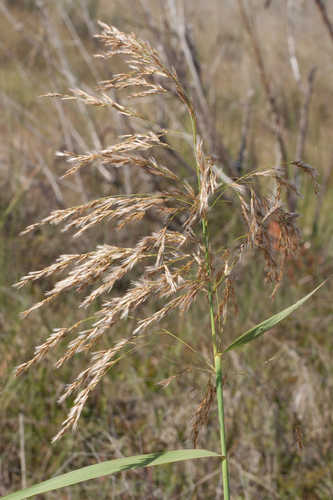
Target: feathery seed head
[(169, 266)]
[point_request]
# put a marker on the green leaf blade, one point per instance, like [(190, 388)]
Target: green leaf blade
[(267, 324), (110, 467)]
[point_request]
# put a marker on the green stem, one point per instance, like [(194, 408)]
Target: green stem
[(219, 396), (217, 355), (218, 369)]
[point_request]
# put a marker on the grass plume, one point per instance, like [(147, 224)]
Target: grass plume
[(172, 266)]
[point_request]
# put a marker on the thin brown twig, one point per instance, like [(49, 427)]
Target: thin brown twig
[(244, 133), (323, 11), (282, 166), (307, 91)]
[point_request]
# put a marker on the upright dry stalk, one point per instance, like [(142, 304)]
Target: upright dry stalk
[(303, 128), (304, 116), (239, 164), (291, 41), (265, 80)]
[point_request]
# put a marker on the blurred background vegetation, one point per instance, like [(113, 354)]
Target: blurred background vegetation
[(278, 391)]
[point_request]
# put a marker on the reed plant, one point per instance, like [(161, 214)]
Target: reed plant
[(176, 264)]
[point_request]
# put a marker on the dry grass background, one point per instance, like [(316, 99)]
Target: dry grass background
[(278, 391)]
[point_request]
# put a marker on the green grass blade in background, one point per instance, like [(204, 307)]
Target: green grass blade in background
[(261, 328), (110, 467)]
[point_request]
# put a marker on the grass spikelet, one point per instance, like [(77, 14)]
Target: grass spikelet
[(201, 415)]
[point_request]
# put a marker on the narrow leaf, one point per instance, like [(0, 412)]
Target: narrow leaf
[(110, 467), (260, 329)]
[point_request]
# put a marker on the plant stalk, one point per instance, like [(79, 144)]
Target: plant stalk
[(218, 370), (219, 396), (217, 355)]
